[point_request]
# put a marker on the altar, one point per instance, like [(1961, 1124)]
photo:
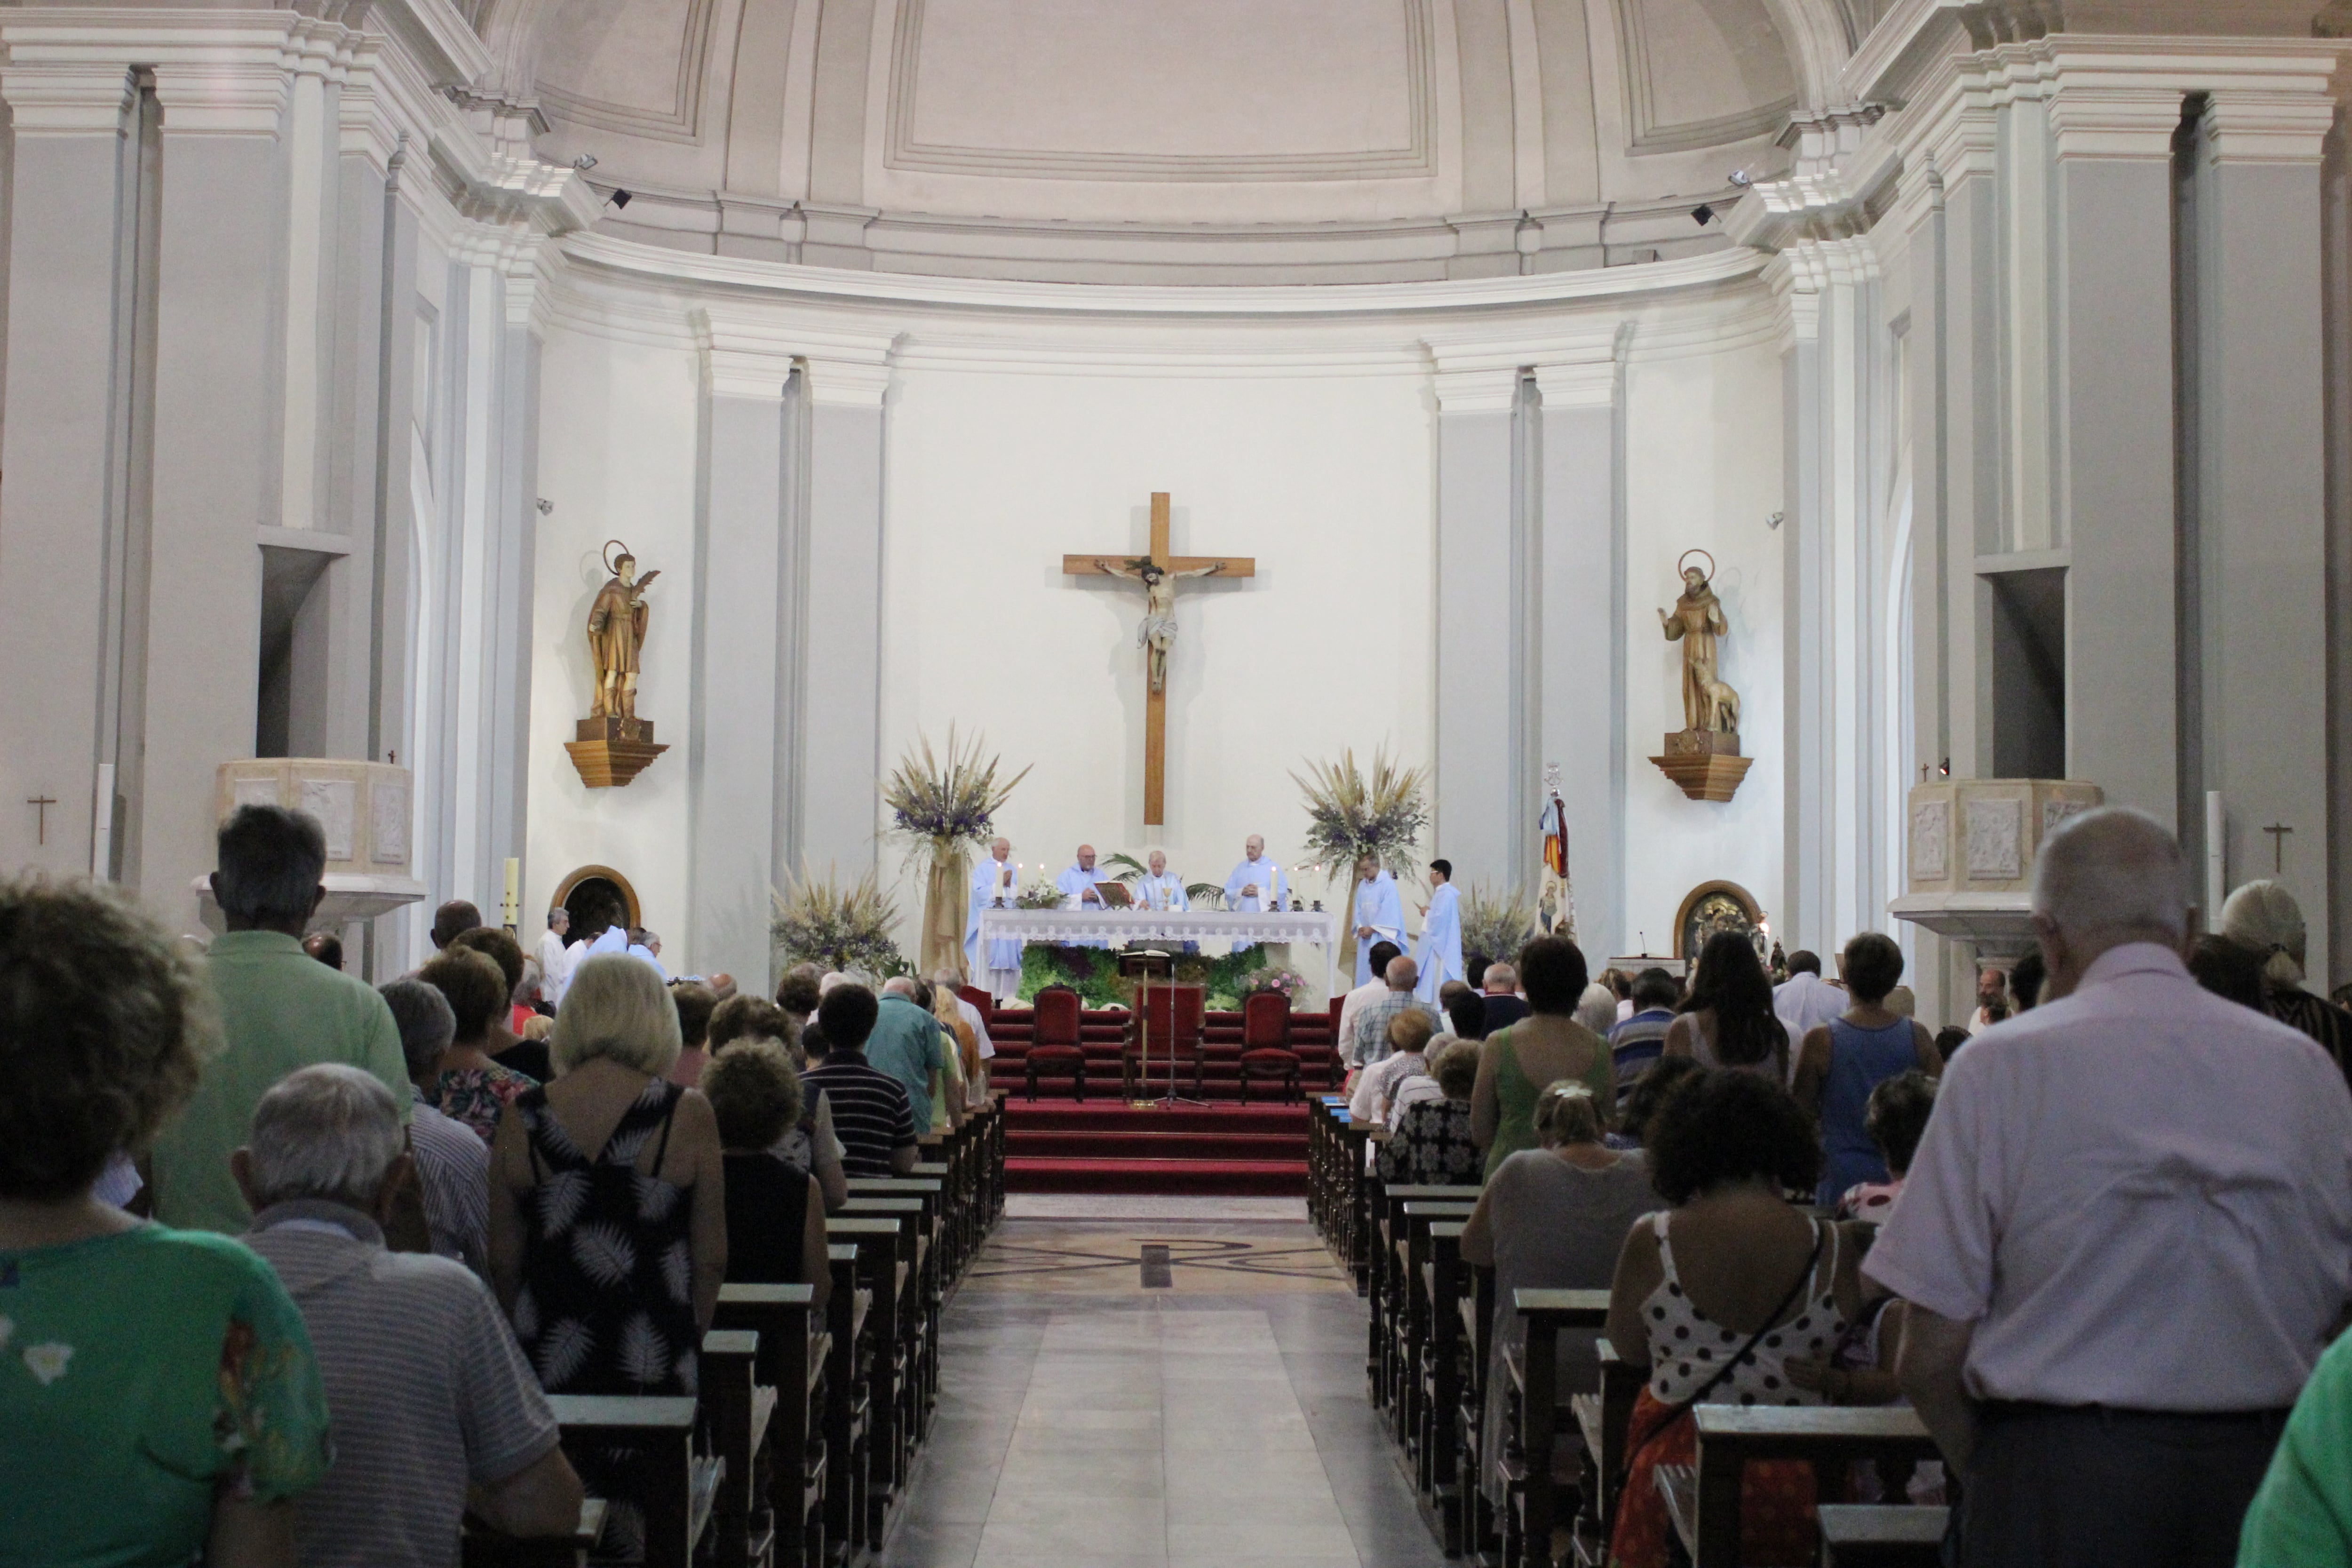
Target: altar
[(1122, 927)]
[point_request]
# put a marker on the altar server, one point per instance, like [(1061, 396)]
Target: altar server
[(1257, 884), (1077, 885), (995, 885), (1158, 889), (1379, 914), (555, 959), (1440, 957)]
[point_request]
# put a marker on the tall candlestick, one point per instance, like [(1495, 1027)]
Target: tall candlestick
[(512, 907)]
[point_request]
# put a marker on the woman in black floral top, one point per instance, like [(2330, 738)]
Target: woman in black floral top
[(1430, 1145)]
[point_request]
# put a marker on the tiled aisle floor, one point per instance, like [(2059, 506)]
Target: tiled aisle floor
[(1085, 1421)]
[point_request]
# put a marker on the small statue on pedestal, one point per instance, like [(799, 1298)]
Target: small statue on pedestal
[(614, 746), (1702, 758)]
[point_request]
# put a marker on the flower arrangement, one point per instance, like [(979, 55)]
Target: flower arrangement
[(1497, 925), (1349, 817), (947, 805), (1040, 894), (1283, 982), (942, 810), (819, 921)]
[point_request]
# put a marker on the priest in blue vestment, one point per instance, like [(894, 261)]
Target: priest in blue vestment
[(1160, 889), (995, 885), (1379, 914), (1257, 884), (1440, 957), (1077, 885)]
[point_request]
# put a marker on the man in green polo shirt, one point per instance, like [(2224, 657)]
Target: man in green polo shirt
[(907, 1044), (280, 1009)]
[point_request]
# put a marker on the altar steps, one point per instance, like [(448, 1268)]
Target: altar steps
[(1109, 1146), (1100, 1033)]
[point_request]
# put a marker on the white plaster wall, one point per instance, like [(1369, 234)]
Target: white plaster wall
[(618, 453), (1324, 480), (1702, 470)]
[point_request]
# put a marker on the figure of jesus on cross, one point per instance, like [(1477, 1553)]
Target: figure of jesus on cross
[(1159, 572)]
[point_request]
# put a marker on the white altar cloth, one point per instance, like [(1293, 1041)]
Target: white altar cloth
[(1122, 927)]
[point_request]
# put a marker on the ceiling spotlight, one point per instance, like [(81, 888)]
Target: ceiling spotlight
[(1702, 215), (619, 198), (1740, 179), (585, 162), (546, 506)]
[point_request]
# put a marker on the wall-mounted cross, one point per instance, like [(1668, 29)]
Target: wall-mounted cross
[(40, 804), (2278, 832)]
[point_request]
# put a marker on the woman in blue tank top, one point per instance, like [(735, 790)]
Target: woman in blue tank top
[(1843, 1060)]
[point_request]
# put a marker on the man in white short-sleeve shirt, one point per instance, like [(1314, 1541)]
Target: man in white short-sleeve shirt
[(2126, 1236)]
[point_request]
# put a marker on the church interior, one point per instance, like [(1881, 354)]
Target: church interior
[(1070, 527)]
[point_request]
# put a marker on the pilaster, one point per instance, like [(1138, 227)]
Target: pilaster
[(1482, 675)]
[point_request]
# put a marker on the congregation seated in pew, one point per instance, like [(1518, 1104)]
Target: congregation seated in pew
[(1430, 1143), (608, 1214), (775, 1210), (1515, 1062), (429, 1393), (1552, 1217), (1714, 1297), (203, 1416), (809, 1142)]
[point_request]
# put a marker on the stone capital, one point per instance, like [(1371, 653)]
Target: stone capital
[(67, 97), (2250, 125)]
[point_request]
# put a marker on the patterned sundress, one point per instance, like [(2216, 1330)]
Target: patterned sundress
[(1776, 1520), (607, 1298)]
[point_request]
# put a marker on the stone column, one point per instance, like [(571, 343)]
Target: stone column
[(218, 445), (2106, 443), (1582, 630), (1480, 670), (840, 610), (2261, 496), (731, 738), (65, 512)]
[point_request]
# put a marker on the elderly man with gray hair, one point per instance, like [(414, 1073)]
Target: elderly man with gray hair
[(430, 1394), (453, 1164), (2125, 1237)]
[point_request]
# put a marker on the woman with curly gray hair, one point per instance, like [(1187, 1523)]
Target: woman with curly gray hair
[(162, 1398)]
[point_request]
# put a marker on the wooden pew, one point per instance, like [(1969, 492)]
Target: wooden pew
[(1543, 1314), (679, 1491), (482, 1547), (849, 1403), (1730, 1436), (1410, 1327), (1386, 1285), (1476, 1312), (1874, 1535), (1355, 1137), (790, 1383), (1603, 1418), (737, 1411), (1444, 1477), (885, 1263), (920, 1302)]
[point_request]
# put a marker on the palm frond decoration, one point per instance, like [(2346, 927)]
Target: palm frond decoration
[(945, 805), (819, 919), (1496, 924), (1205, 894), (1350, 815), (1127, 866)]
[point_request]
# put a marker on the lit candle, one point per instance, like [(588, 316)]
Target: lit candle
[(513, 908)]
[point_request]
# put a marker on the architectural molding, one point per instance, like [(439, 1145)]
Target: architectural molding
[(66, 99), (1644, 133), (657, 264), (681, 121), (1417, 159)]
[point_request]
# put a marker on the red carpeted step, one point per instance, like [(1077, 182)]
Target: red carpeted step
[(1186, 1178), (1060, 1146)]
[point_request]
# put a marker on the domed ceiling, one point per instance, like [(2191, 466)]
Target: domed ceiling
[(1201, 141)]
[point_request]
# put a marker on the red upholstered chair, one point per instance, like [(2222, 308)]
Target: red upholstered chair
[(981, 999), (1266, 1043), (1172, 1016), (1056, 1039)]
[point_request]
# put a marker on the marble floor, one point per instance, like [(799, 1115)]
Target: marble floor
[(1144, 1392)]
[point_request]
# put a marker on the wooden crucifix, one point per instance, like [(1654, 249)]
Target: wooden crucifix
[(2278, 832), (1159, 572)]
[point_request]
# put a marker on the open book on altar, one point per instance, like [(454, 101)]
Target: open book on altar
[(1114, 895)]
